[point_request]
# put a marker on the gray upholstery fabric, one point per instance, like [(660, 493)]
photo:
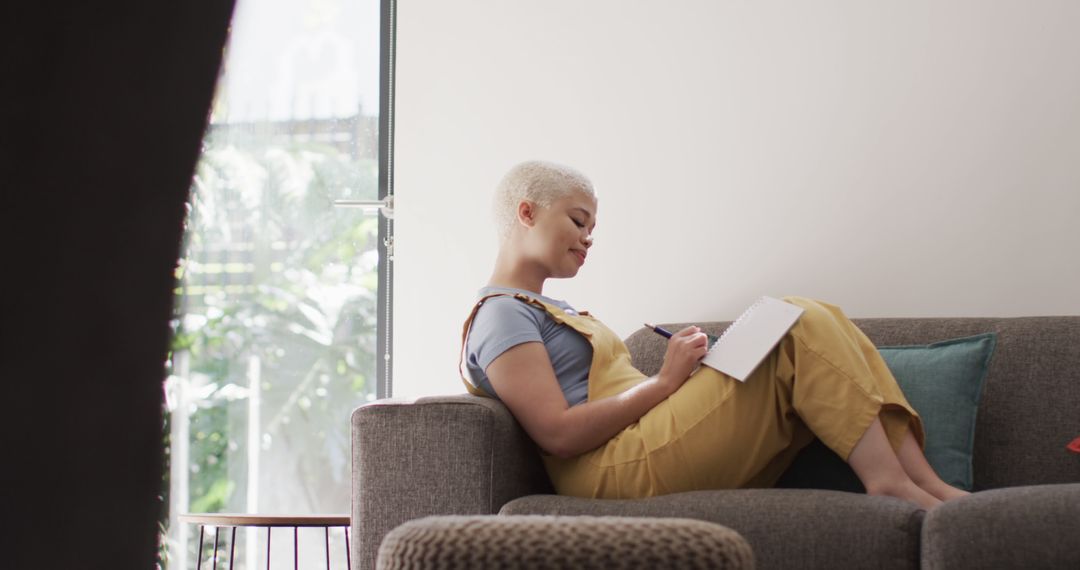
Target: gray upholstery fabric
[(1020, 528), (434, 456), (549, 542), (1029, 407), (787, 528)]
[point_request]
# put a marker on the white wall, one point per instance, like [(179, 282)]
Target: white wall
[(916, 158)]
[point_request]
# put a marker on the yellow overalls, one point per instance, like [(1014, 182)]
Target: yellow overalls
[(825, 378)]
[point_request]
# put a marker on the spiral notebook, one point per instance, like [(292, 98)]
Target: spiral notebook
[(742, 347)]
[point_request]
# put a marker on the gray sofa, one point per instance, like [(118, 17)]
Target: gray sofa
[(467, 455)]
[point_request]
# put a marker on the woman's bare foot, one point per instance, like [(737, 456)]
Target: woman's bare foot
[(919, 470), (943, 490), (908, 491), (881, 471)]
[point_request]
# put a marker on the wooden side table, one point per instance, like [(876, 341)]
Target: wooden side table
[(218, 520)]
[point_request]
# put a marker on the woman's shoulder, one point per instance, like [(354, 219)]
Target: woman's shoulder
[(505, 308), (521, 296), (502, 322)]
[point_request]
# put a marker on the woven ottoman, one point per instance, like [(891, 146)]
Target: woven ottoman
[(538, 541)]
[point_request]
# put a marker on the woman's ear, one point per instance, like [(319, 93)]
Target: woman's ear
[(526, 213)]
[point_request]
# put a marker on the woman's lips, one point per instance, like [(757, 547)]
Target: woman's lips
[(580, 255)]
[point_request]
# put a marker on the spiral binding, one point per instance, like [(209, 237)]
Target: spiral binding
[(742, 318)]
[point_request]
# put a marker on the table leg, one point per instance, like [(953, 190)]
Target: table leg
[(214, 565), (232, 548), (348, 553), (198, 564)]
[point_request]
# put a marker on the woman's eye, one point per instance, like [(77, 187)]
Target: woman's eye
[(577, 223)]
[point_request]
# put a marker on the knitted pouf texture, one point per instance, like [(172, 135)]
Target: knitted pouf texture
[(542, 542)]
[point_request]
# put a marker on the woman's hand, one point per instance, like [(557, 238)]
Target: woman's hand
[(685, 350)]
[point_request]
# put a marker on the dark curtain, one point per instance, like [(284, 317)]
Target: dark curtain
[(102, 109)]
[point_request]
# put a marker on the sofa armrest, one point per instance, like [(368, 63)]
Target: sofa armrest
[(1008, 528), (435, 456)]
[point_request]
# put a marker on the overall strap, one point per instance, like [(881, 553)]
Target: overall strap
[(472, 388)]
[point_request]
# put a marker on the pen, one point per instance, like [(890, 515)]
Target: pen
[(667, 334), (659, 330)]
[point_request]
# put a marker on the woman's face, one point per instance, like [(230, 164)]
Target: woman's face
[(562, 234)]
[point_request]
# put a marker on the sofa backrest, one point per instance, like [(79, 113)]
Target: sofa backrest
[(1030, 406)]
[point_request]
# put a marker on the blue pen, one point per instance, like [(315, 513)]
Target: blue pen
[(659, 330), (667, 334)]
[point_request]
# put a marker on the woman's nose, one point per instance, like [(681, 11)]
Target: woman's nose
[(588, 240)]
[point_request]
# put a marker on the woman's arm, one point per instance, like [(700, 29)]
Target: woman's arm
[(526, 383)]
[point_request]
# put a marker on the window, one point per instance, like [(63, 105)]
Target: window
[(281, 325)]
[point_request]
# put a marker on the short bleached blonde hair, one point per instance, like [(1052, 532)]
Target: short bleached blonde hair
[(539, 182)]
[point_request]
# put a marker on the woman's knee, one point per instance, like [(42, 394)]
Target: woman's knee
[(815, 313), (814, 306)]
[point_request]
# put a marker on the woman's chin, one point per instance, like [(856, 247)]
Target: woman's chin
[(566, 274)]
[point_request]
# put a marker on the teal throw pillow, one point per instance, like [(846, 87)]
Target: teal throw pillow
[(943, 382)]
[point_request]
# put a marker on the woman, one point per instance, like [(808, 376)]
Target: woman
[(608, 431)]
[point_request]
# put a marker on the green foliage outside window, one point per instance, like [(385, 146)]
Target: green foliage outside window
[(278, 288)]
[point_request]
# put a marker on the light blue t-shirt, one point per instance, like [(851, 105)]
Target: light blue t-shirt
[(502, 323)]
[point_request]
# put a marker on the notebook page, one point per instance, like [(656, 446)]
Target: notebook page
[(751, 337)]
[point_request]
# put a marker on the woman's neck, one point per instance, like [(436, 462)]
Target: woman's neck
[(512, 273), (498, 280)]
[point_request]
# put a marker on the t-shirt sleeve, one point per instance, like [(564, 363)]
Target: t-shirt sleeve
[(501, 324)]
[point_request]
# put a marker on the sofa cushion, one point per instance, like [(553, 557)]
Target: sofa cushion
[(1013, 528), (787, 528), (943, 381)]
